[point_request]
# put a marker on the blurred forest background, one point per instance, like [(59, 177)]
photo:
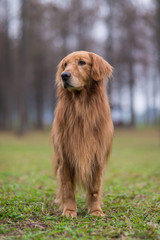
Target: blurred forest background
[(36, 34)]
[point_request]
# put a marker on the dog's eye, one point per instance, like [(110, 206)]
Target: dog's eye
[(65, 64), (80, 62)]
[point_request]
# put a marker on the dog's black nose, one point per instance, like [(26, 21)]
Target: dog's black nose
[(65, 76)]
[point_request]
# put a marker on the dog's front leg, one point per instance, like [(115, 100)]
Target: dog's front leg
[(66, 190), (94, 194)]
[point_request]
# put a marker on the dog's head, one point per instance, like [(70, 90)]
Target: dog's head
[(76, 70)]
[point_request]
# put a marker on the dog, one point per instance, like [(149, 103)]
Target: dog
[(82, 129)]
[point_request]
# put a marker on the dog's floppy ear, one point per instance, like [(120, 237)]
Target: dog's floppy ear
[(60, 69), (100, 68)]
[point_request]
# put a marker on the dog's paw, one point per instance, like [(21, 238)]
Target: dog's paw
[(98, 213), (69, 213)]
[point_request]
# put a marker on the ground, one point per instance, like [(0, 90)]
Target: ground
[(131, 191)]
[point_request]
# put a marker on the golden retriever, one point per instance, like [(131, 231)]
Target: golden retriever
[(82, 129)]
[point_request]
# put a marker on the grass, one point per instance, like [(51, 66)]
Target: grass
[(131, 199)]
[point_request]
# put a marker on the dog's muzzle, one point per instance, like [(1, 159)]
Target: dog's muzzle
[(65, 77)]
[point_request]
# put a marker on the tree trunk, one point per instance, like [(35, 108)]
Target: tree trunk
[(23, 125), (109, 43), (131, 89), (6, 73), (39, 90), (158, 45)]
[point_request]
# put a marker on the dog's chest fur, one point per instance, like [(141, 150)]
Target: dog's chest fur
[(82, 132), (81, 127)]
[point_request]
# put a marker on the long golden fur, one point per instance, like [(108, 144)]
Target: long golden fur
[(82, 129)]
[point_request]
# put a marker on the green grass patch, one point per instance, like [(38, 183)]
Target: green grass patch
[(131, 190)]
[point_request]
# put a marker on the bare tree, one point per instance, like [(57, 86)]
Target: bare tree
[(158, 41), (109, 45), (158, 29), (24, 68), (6, 70)]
